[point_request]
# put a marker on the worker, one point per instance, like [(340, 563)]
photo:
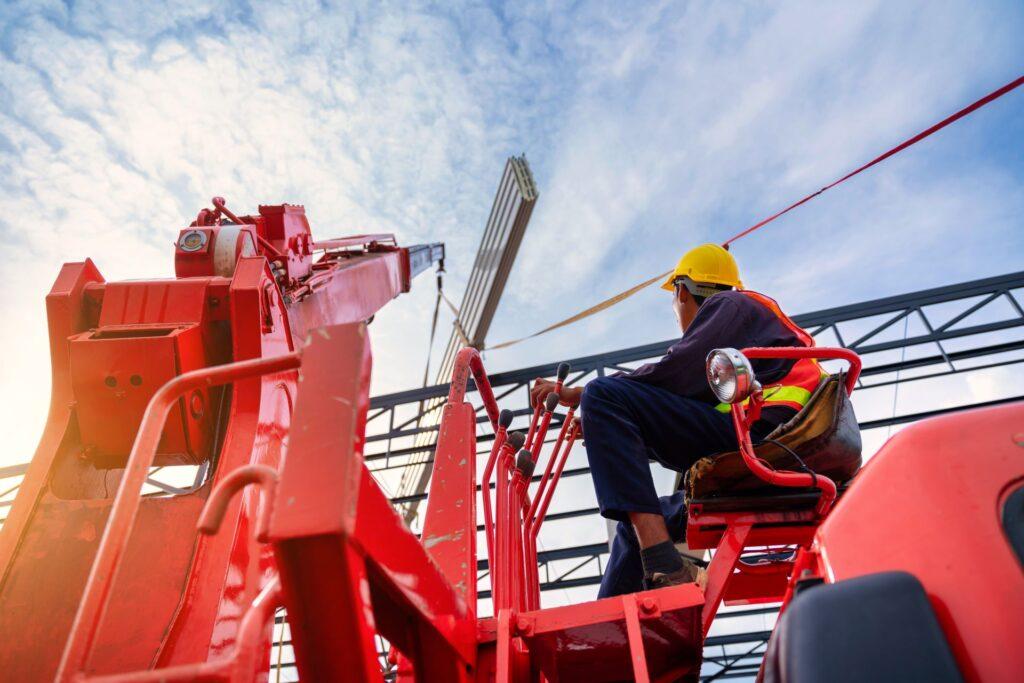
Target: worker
[(665, 411)]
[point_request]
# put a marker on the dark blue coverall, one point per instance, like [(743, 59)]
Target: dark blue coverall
[(665, 411)]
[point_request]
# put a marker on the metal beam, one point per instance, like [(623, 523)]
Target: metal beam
[(871, 424), (422, 256), (510, 214), (824, 319)]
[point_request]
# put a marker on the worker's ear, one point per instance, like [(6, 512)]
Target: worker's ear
[(682, 294)]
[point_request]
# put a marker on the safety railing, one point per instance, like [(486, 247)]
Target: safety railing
[(126, 502), (468, 362), (512, 537)]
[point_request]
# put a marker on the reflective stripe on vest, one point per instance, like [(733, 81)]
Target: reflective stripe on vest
[(794, 390), (791, 395)]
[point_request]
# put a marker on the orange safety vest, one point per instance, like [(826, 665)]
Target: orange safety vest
[(796, 387)]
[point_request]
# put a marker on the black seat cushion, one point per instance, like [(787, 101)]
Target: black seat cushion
[(878, 627)]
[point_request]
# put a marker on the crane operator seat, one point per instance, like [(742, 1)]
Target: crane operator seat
[(824, 435)]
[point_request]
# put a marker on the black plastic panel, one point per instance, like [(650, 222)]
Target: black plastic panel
[(879, 627), (1013, 522)]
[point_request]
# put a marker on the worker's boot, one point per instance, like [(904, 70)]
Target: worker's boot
[(689, 573)]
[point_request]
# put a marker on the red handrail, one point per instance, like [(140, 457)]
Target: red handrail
[(221, 495), (485, 492), (467, 361), (815, 352), (537, 513), (126, 502), (742, 417)]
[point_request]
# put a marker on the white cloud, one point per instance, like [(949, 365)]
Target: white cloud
[(649, 128), (737, 112), (120, 123)]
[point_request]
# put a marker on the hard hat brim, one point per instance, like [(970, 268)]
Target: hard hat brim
[(669, 284)]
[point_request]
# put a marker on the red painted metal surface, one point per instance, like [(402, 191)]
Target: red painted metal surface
[(113, 345), (485, 486), (590, 641), (247, 662), (468, 362), (194, 602), (216, 506), (349, 566), (356, 241), (720, 572), (772, 527), (929, 503), (449, 529), (126, 502)]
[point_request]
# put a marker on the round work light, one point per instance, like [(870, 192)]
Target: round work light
[(730, 375)]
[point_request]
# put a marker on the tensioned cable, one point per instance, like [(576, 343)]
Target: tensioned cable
[(607, 303), (995, 94), (622, 296), (458, 321), (896, 386), (433, 327)]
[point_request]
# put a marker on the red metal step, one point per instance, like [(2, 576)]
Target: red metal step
[(592, 641)]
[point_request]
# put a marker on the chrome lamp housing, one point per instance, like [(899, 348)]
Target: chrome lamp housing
[(730, 375)]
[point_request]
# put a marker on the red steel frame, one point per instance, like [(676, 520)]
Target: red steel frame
[(126, 502), (520, 632), (344, 555), (947, 532), (729, 533), (350, 568), (152, 594)]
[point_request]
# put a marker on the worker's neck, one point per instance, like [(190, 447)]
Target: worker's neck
[(687, 314)]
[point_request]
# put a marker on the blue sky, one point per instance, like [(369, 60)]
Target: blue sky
[(650, 127)]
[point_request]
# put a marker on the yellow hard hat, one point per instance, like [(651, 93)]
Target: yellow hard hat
[(706, 264)]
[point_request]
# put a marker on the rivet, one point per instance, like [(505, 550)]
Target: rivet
[(648, 605)]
